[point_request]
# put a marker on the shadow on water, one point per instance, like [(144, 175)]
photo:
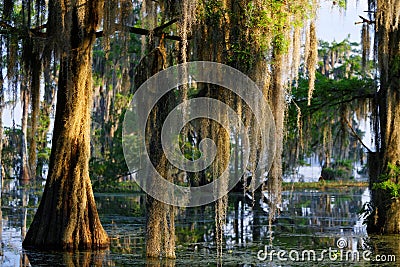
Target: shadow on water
[(309, 220)]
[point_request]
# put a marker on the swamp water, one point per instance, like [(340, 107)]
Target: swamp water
[(310, 221)]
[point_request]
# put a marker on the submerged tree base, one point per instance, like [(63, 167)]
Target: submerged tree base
[(67, 217), (385, 220), (71, 223), (392, 224)]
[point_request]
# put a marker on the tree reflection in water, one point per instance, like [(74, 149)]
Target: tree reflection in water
[(309, 219)]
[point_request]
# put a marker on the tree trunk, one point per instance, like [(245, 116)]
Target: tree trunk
[(1, 118), (35, 98), (1, 139), (25, 170), (160, 217), (385, 217), (67, 217)]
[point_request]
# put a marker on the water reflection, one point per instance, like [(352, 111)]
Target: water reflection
[(309, 219), (78, 259), (18, 203)]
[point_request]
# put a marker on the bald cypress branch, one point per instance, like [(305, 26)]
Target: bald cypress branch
[(6, 28), (158, 31), (356, 135)]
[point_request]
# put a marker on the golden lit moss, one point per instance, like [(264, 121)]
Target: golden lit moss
[(109, 14), (312, 60), (365, 41), (221, 162), (221, 206), (188, 10), (296, 54), (149, 21), (185, 26), (299, 127), (241, 35), (306, 37)]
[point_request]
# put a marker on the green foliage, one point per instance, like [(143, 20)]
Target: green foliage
[(113, 72), (44, 155), (336, 173), (342, 3), (189, 149), (339, 170), (43, 149), (188, 235), (241, 54), (387, 181), (331, 93), (214, 11), (112, 165), (396, 64), (330, 97), (392, 188), (346, 163), (275, 19), (11, 159), (271, 22), (342, 92)]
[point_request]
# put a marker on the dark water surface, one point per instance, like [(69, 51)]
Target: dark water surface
[(311, 221)]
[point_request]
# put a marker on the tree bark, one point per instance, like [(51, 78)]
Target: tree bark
[(67, 217), (1, 118), (25, 170), (385, 217), (35, 100)]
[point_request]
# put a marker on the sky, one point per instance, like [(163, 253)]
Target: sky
[(335, 24), (332, 24)]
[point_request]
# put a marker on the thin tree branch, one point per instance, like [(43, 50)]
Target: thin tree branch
[(6, 28), (366, 96), (334, 102), (165, 25), (155, 32), (356, 135)]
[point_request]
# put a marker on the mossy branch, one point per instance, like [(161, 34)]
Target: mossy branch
[(6, 28)]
